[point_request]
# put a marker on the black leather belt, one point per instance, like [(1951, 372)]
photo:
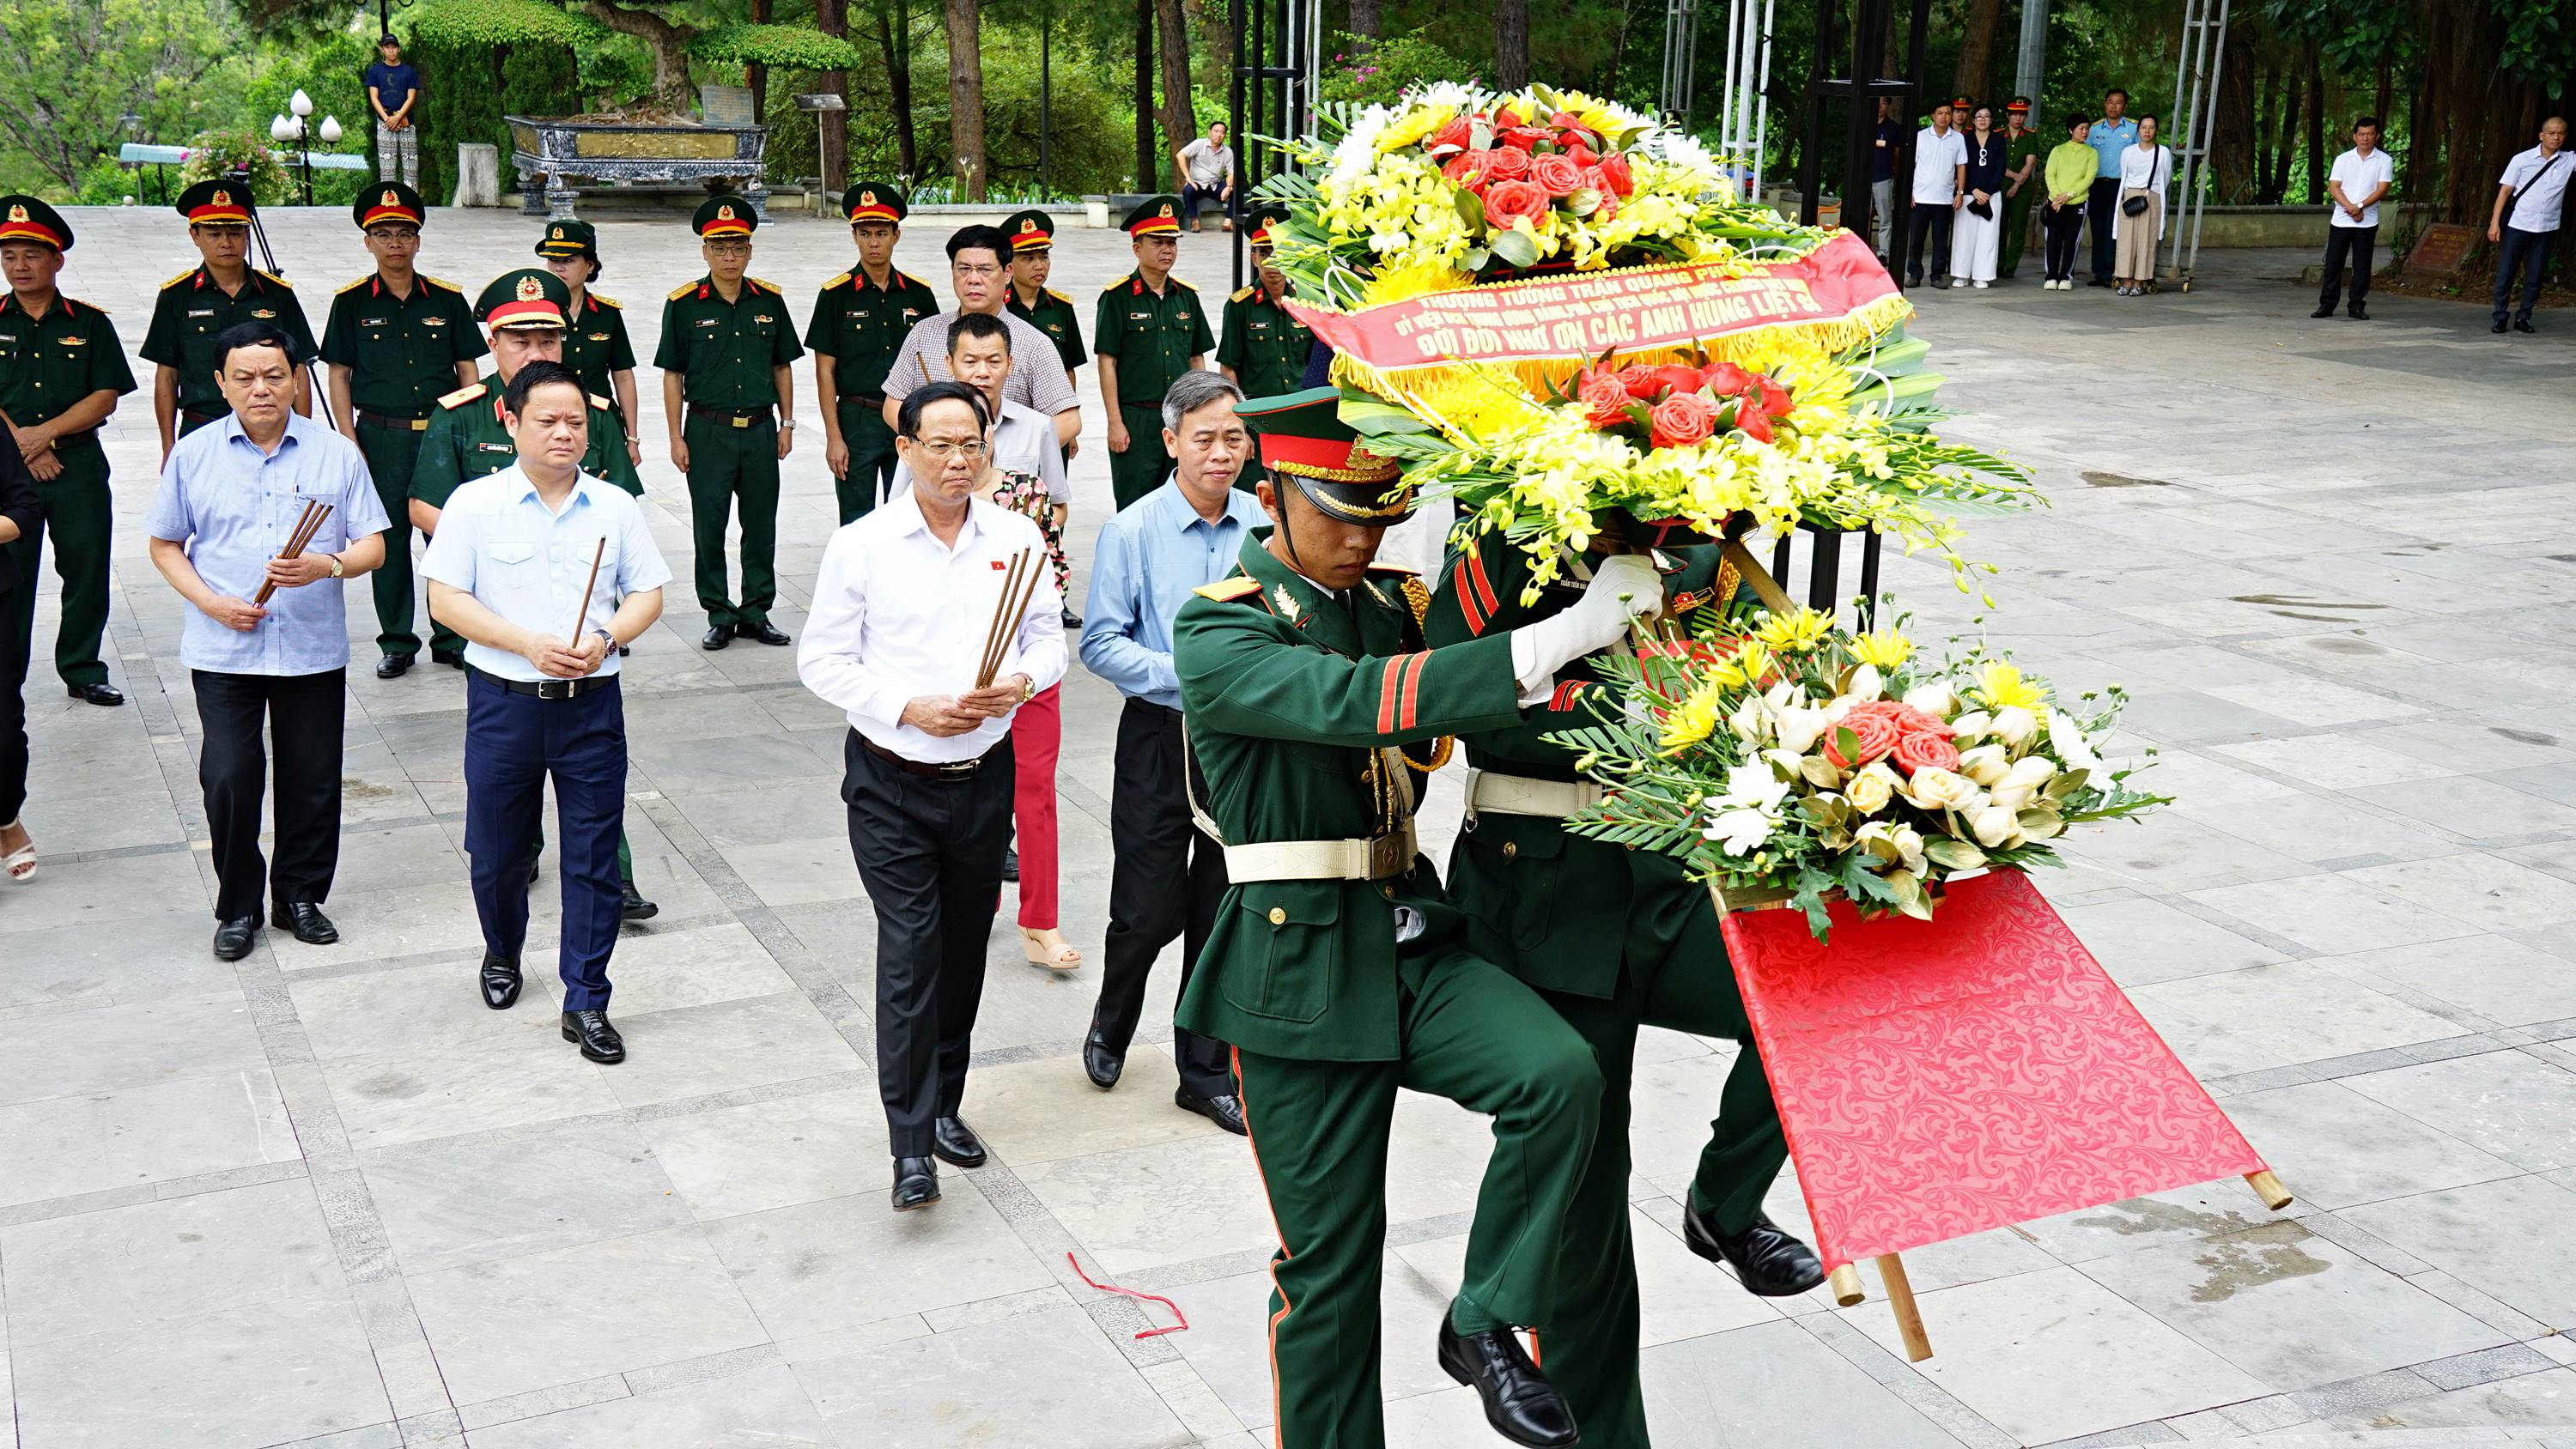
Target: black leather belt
[(548, 688), (64, 440), (201, 415), (399, 422), (952, 770), (730, 417), (872, 399)]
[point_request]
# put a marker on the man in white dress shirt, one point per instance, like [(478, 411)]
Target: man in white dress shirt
[(903, 606), (513, 553), (2531, 199), (1940, 186)]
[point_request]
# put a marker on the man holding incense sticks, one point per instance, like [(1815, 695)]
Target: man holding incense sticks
[(546, 571), (934, 619), (259, 521)]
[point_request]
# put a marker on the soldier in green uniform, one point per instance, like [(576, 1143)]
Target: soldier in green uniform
[(1149, 328), (1614, 939), (61, 372), (860, 321), (594, 331), (198, 304), (1032, 235), (397, 340), (730, 400), (1264, 349), (1338, 966), (523, 314)]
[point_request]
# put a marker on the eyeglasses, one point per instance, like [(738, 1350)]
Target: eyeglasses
[(728, 249), (972, 448)]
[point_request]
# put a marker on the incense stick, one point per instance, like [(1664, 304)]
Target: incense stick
[(310, 524), (991, 659), (1018, 612), (586, 589)]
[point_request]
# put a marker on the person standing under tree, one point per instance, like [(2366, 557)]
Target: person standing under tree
[(1978, 240), (61, 371), (2110, 137), (2531, 197), (397, 341), (205, 301), (2360, 178), (2024, 148), (729, 401), (1264, 348), (860, 321), (393, 89), (1148, 329), (1940, 179), (2069, 183)]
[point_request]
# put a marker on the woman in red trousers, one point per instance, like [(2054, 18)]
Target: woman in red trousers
[(1037, 734)]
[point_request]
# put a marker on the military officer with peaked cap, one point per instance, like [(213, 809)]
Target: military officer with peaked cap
[(861, 318), (1148, 328), (1338, 966), (1032, 235), (397, 341), (730, 403), (61, 372), (594, 333), (1614, 939), (198, 304)]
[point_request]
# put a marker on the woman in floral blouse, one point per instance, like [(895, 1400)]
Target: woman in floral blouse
[(1037, 733)]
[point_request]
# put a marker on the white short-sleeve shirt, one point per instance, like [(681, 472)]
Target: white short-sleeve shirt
[(498, 541), (1937, 159), (2361, 175), (2539, 189)]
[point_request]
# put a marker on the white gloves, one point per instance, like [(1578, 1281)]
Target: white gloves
[(1624, 587)]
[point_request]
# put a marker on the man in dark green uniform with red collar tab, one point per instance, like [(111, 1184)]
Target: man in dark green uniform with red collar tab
[(1149, 328), (1614, 939), (1032, 235), (595, 344), (1338, 967), (61, 372), (198, 305), (1263, 348), (729, 399), (397, 341), (860, 321), (523, 315)]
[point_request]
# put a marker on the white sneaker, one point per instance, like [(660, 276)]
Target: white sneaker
[(1980, 286)]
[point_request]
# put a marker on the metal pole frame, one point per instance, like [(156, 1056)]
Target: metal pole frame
[(2200, 60), (1046, 98)]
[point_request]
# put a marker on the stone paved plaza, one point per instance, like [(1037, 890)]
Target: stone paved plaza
[(323, 1197)]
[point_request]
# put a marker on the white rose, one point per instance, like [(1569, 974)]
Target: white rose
[(2015, 725), (1909, 845), (2012, 795), (1799, 729), (1935, 698), (1995, 827), (1866, 683), (1871, 789), (2033, 770), (1839, 706), (1934, 788), (1968, 726), (1986, 764)]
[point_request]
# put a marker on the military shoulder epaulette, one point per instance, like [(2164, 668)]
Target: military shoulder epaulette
[(1178, 280), (1231, 588), (1245, 295), (765, 285), (682, 290), (916, 281), (607, 301), (362, 281), (601, 403), (274, 277), (442, 282), (839, 281), (1059, 296), (1114, 286), (85, 302), (462, 395), (1397, 570), (174, 281)]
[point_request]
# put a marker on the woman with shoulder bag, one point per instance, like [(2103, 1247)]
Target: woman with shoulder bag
[(2139, 223), (1979, 239)]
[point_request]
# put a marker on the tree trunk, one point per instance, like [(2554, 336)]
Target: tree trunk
[(756, 76), (1511, 44), (1148, 165), (832, 17), (1367, 22), (1179, 116), (668, 42), (2234, 156), (1977, 51), (966, 94), (894, 43), (2318, 161)]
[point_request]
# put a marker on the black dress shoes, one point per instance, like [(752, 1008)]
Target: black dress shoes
[(764, 632), (955, 1143), (598, 1040), (306, 920), (393, 666), (108, 694), (2497, 329), (1100, 1061), (500, 982), (1010, 862), (1519, 1401), (632, 905), (2359, 312), (233, 937), (2323, 310), (452, 658), (916, 1183), (717, 636), (1225, 1110), (2520, 324), (1767, 1261)]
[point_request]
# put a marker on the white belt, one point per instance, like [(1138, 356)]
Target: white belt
[(1492, 794), (1378, 857)]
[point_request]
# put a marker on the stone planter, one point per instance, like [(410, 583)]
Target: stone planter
[(549, 151)]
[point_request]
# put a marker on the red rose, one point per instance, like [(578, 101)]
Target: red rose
[(1505, 164), (1510, 201), (1605, 403), (1682, 419), (1917, 722), (1726, 379), (1557, 175), (1456, 136), (1506, 118), (1641, 382), (1750, 421), (1570, 124), (1465, 169), (1583, 156), (1678, 377), (1768, 395), (1923, 750), (1614, 169), (1874, 734)]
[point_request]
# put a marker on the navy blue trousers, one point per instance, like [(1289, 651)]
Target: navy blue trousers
[(513, 744)]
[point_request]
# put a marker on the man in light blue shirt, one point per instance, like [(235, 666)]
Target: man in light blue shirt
[(1183, 536), (2109, 137), (233, 497), (530, 565)]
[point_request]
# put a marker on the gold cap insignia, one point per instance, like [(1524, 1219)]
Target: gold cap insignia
[(223, 198), (17, 213), (724, 213), (558, 233), (531, 290), (390, 199), (1027, 225), (1167, 208), (867, 198)]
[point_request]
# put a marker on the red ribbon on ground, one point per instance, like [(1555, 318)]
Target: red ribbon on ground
[(1142, 1333)]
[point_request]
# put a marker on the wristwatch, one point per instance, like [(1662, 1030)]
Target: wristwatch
[(786, 425), (336, 570), (611, 639), (1028, 689)]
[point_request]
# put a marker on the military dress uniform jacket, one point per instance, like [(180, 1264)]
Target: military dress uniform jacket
[(1542, 902), (467, 440), (1266, 347), (401, 352), (1054, 315), (1289, 694), (49, 363), (595, 345), (192, 311), (1151, 338), (726, 350), (861, 327)]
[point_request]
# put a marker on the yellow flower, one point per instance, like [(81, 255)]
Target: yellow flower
[(1745, 670), (1696, 717), (1886, 648), (2000, 686), (1410, 130), (1795, 632)]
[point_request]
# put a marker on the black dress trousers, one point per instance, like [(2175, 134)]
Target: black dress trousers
[(929, 852), (1166, 881), (303, 713)]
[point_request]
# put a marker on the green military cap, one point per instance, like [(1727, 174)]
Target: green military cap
[(724, 216), (529, 297), (568, 239), (223, 201), (1154, 216), (1303, 438), (873, 201), (1265, 216), (1030, 231), (387, 201), (24, 218)]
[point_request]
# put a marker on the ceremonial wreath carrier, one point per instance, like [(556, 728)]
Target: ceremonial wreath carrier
[(1338, 967)]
